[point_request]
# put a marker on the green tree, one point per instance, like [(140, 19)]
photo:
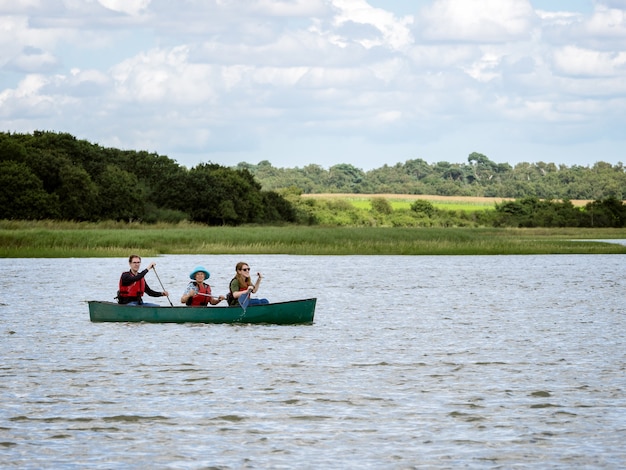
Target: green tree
[(277, 208), (11, 149), (120, 197), (211, 186), (610, 212), (78, 194), (345, 178), (22, 195)]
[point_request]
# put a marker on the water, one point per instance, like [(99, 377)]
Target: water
[(413, 362)]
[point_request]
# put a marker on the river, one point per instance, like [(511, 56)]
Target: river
[(412, 362)]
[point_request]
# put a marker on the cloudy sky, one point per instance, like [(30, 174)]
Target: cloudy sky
[(295, 82)]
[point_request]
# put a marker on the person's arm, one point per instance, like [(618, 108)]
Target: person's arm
[(256, 284), (216, 300), (234, 288), (189, 293), (154, 293), (128, 278)]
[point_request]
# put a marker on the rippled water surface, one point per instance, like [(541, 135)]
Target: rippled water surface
[(412, 362)]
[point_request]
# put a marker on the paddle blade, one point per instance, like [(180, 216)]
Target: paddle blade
[(244, 300)]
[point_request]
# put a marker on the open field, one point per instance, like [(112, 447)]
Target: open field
[(114, 239), (404, 201)]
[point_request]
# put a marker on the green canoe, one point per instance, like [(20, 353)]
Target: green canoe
[(279, 313)]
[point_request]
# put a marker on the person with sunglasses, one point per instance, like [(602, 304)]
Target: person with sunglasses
[(132, 284), (242, 284)]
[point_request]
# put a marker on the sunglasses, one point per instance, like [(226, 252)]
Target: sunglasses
[(245, 269)]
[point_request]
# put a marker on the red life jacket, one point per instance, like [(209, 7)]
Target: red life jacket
[(131, 293), (200, 300)]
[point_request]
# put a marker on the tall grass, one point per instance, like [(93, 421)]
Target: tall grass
[(66, 239)]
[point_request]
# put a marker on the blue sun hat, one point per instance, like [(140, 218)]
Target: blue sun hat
[(199, 269)]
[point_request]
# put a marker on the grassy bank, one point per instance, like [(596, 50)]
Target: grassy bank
[(66, 239)]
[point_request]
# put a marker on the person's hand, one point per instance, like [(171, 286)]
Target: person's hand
[(259, 274), (250, 288), (165, 293), (151, 265), (221, 297)]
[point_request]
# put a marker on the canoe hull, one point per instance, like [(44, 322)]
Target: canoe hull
[(280, 313)]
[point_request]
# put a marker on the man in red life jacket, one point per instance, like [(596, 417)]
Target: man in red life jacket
[(133, 285)]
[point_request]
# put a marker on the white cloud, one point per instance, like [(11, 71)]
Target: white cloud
[(559, 18), (288, 8), (477, 20), (33, 60), (608, 22), (393, 32), (164, 76), (618, 4), (19, 6), (19, 39), (28, 100), (272, 79), (572, 60), (129, 7)]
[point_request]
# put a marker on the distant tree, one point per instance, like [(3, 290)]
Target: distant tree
[(218, 195), (277, 208), (417, 168), (345, 178), (610, 212), (423, 208), (534, 212), (483, 168), (381, 205)]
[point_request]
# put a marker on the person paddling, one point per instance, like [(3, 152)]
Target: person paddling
[(198, 293), (132, 284), (242, 284)]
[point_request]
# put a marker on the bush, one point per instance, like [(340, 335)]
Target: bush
[(381, 205)]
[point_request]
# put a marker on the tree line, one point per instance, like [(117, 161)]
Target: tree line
[(479, 176), (47, 175)]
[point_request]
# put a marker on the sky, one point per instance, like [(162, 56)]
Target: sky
[(299, 82)]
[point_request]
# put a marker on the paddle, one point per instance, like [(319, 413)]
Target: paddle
[(157, 275), (244, 300), (211, 296)]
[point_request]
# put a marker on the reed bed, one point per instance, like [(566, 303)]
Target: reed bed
[(111, 239)]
